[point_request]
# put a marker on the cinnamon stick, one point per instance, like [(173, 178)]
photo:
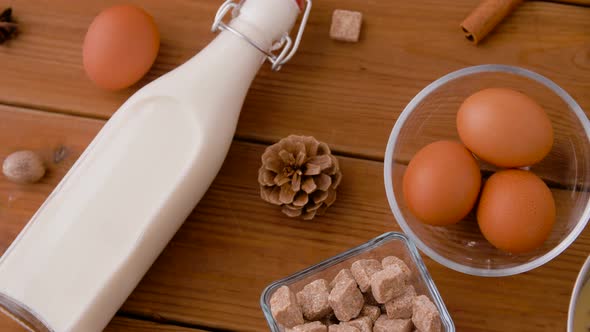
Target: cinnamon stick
[(485, 17)]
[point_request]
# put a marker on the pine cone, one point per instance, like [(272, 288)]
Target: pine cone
[(301, 175)]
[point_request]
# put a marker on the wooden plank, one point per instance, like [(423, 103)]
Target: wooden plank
[(234, 244), (250, 244), (346, 94), (121, 324), (118, 324)]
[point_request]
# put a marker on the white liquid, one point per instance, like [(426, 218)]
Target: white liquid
[(97, 234), (582, 311)]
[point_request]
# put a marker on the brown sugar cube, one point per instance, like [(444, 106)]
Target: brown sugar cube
[(313, 300), (309, 327), (384, 324), (284, 307), (401, 306), (362, 271), (346, 300), (364, 324), (371, 311), (344, 274), (425, 315), (346, 25), (388, 283), (342, 327), (392, 260)]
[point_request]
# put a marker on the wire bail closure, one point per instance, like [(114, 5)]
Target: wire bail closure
[(285, 44)]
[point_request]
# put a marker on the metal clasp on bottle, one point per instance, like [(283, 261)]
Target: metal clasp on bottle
[(287, 47)]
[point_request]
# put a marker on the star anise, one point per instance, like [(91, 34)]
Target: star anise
[(8, 27)]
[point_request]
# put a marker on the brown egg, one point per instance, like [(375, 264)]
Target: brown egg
[(505, 127), (120, 46), (441, 183), (516, 211)]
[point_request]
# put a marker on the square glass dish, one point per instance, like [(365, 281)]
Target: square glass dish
[(388, 244)]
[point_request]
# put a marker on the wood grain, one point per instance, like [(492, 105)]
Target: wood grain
[(234, 244), (348, 95), (118, 324)]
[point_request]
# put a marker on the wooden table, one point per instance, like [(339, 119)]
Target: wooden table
[(349, 95)]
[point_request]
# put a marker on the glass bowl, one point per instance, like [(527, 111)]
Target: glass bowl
[(387, 244), (430, 117), (581, 280)]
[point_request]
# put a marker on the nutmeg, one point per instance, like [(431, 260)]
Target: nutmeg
[(23, 167)]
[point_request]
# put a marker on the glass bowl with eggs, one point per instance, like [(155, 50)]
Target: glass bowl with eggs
[(487, 170)]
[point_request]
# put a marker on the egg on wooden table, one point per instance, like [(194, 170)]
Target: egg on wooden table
[(505, 127), (441, 183), (516, 211), (120, 46)]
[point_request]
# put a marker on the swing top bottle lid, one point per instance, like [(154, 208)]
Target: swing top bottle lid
[(265, 24)]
